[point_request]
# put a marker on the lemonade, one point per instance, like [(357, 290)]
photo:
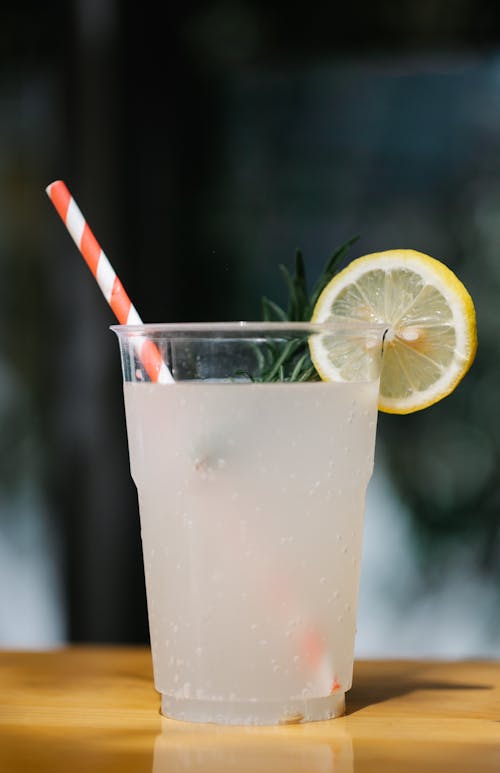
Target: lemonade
[(251, 501), (251, 474)]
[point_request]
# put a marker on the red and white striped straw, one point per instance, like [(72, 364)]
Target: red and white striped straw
[(106, 278)]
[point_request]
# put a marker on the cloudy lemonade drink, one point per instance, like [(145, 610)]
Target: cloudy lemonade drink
[(251, 475), (252, 472), (251, 499)]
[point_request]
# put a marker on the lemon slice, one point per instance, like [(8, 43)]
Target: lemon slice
[(431, 326)]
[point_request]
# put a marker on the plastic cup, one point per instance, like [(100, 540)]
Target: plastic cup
[(251, 497)]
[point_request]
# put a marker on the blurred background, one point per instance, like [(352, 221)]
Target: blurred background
[(204, 148)]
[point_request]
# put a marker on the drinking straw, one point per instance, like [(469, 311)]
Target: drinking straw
[(106, 278)]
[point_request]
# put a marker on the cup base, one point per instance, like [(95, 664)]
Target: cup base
[(285, 712)]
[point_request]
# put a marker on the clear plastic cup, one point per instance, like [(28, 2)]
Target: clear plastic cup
[(251, 494)]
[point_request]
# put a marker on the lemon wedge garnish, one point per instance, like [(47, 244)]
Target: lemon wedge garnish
[(431, 338)]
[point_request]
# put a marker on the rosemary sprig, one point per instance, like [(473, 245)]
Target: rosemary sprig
[(292, 362)]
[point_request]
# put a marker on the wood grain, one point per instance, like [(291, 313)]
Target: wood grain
[(94, 709)]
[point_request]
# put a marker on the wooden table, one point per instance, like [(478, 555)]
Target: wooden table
[(95, 709)]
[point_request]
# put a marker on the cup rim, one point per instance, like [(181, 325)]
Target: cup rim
[(242, 327)]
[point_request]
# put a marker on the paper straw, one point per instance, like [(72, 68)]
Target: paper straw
[(106, 278)]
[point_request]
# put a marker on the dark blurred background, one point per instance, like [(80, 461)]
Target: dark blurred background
[(204, 146)]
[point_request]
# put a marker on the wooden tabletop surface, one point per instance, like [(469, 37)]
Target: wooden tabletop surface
[(95, 709)]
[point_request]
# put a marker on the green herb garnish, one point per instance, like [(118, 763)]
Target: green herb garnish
[(292, 362)]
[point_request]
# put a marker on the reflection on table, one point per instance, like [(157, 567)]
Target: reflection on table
[(322, 747)]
